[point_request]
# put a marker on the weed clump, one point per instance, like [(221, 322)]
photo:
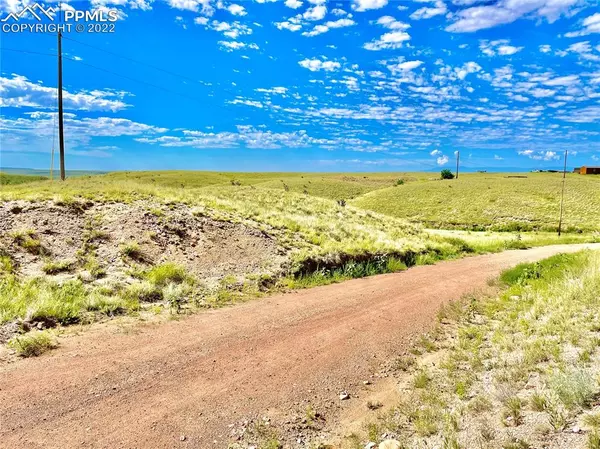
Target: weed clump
[(33, 344)]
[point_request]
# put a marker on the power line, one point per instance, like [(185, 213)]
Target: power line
[(28, 51), (128, 58), (199, 100), (134, 60)]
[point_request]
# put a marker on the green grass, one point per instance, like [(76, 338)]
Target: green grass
[(493, 202), (33, 344), (55, 267), (7, 179), (50, 302)]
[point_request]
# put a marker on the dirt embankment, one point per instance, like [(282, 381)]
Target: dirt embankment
[(207, 248)]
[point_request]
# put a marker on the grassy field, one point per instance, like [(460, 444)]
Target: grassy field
[(519, 370), (327, 238), (10, 179), (493, 201)]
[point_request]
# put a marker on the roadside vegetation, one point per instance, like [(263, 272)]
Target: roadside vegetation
[(311, 218), (519, 370)]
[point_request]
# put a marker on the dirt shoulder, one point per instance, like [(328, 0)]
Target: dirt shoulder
[(197, 381)]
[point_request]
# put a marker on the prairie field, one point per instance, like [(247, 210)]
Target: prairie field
[(493, 202), (86, 248)]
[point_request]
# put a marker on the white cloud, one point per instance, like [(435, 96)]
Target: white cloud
[(315, 13), (387, 41), (314, 65), (294, 4), (237, 10), (540, 155), (405, 66), (590, 24), (290, 25), (507, 11), (567, 80), (232, 30), (324, 28), (235, 45), (505, 50), (19, 92), (392, 40), (499, 47), (442, 160), (429, 12), (391, 23), (545, 48), (468, 67), (364, 5), (33, 132), (436, 153)]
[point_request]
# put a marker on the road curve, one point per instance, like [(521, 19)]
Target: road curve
[(195, 376)]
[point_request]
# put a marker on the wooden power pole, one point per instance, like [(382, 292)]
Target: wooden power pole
[(457, 162), (562, 195), (61, 136)]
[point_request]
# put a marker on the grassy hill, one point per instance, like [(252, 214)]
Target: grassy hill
[(10, 179), (493, 202)]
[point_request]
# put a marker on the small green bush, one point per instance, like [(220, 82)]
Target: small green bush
[(165, 273), (33, 344), (52, 267), (446, 174)]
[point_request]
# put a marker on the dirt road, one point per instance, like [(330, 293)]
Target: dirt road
[(182, 383)]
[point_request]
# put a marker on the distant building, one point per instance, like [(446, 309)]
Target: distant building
[(577, 170), (589, 170)]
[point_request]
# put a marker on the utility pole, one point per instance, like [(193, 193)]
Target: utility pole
[(457, 162), (61, 136), (562, 196)]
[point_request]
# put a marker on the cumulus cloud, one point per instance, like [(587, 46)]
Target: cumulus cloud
[(364, 5), (391, 40), (314, 65), (428, 12), (590, 25), (479, 17), (18, 92), (294, 4), (540, 155), (33, 131), (235, 45), (442, 160), (324, 28), (467, 68), (500, 47), (237, 10), (315, 13)]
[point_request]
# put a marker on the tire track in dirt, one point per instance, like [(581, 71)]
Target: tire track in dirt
[(195, 376)]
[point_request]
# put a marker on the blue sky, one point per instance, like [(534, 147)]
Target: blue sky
[(310, 85)]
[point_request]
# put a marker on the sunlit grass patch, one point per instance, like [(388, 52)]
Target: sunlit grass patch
[(33, 344)]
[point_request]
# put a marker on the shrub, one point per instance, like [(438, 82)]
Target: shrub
[(131, 250), (574, 388), (33, 344), (446, 174), (51, 267), (165, 273)]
